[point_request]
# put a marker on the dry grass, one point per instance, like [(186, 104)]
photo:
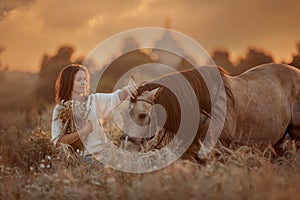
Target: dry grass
[(31, 168)]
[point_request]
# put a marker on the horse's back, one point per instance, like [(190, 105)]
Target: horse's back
[(263, 99), (285, 76), (270, 77)]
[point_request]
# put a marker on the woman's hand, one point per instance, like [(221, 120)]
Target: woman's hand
[(128, 91), (73, 137)]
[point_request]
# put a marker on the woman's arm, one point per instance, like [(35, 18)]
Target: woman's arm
[(59, 137), (107, 102), (73, 137)]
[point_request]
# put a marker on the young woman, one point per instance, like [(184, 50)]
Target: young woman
[(77, 112)]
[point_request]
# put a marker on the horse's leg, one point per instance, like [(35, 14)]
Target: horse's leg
[(278, 146), (293, 130), (294, 127)]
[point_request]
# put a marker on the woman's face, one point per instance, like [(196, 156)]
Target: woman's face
[(80, 83)]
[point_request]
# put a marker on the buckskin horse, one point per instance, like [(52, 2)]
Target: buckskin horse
[(262, 106)]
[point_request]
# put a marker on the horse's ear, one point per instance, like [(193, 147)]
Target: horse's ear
[(151, 95), (131, 81)]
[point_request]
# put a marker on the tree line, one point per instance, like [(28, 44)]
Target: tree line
[(52, 64)]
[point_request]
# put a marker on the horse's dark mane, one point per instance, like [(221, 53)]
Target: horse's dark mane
[(169, 101), (228, 91)]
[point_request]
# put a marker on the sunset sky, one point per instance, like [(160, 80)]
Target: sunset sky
[(29, 29)]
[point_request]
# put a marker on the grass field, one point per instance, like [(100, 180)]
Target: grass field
[(31, 168)]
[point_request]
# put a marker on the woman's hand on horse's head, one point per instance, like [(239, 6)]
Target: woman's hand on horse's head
[(128, 91)]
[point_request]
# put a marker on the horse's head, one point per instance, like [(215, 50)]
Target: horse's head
[(140, 115), (163, 108)]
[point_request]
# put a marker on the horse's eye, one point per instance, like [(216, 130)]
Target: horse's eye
[(142, 116)]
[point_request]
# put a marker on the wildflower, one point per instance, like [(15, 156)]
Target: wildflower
[(110, 180), (42, 165), (48, 157)]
